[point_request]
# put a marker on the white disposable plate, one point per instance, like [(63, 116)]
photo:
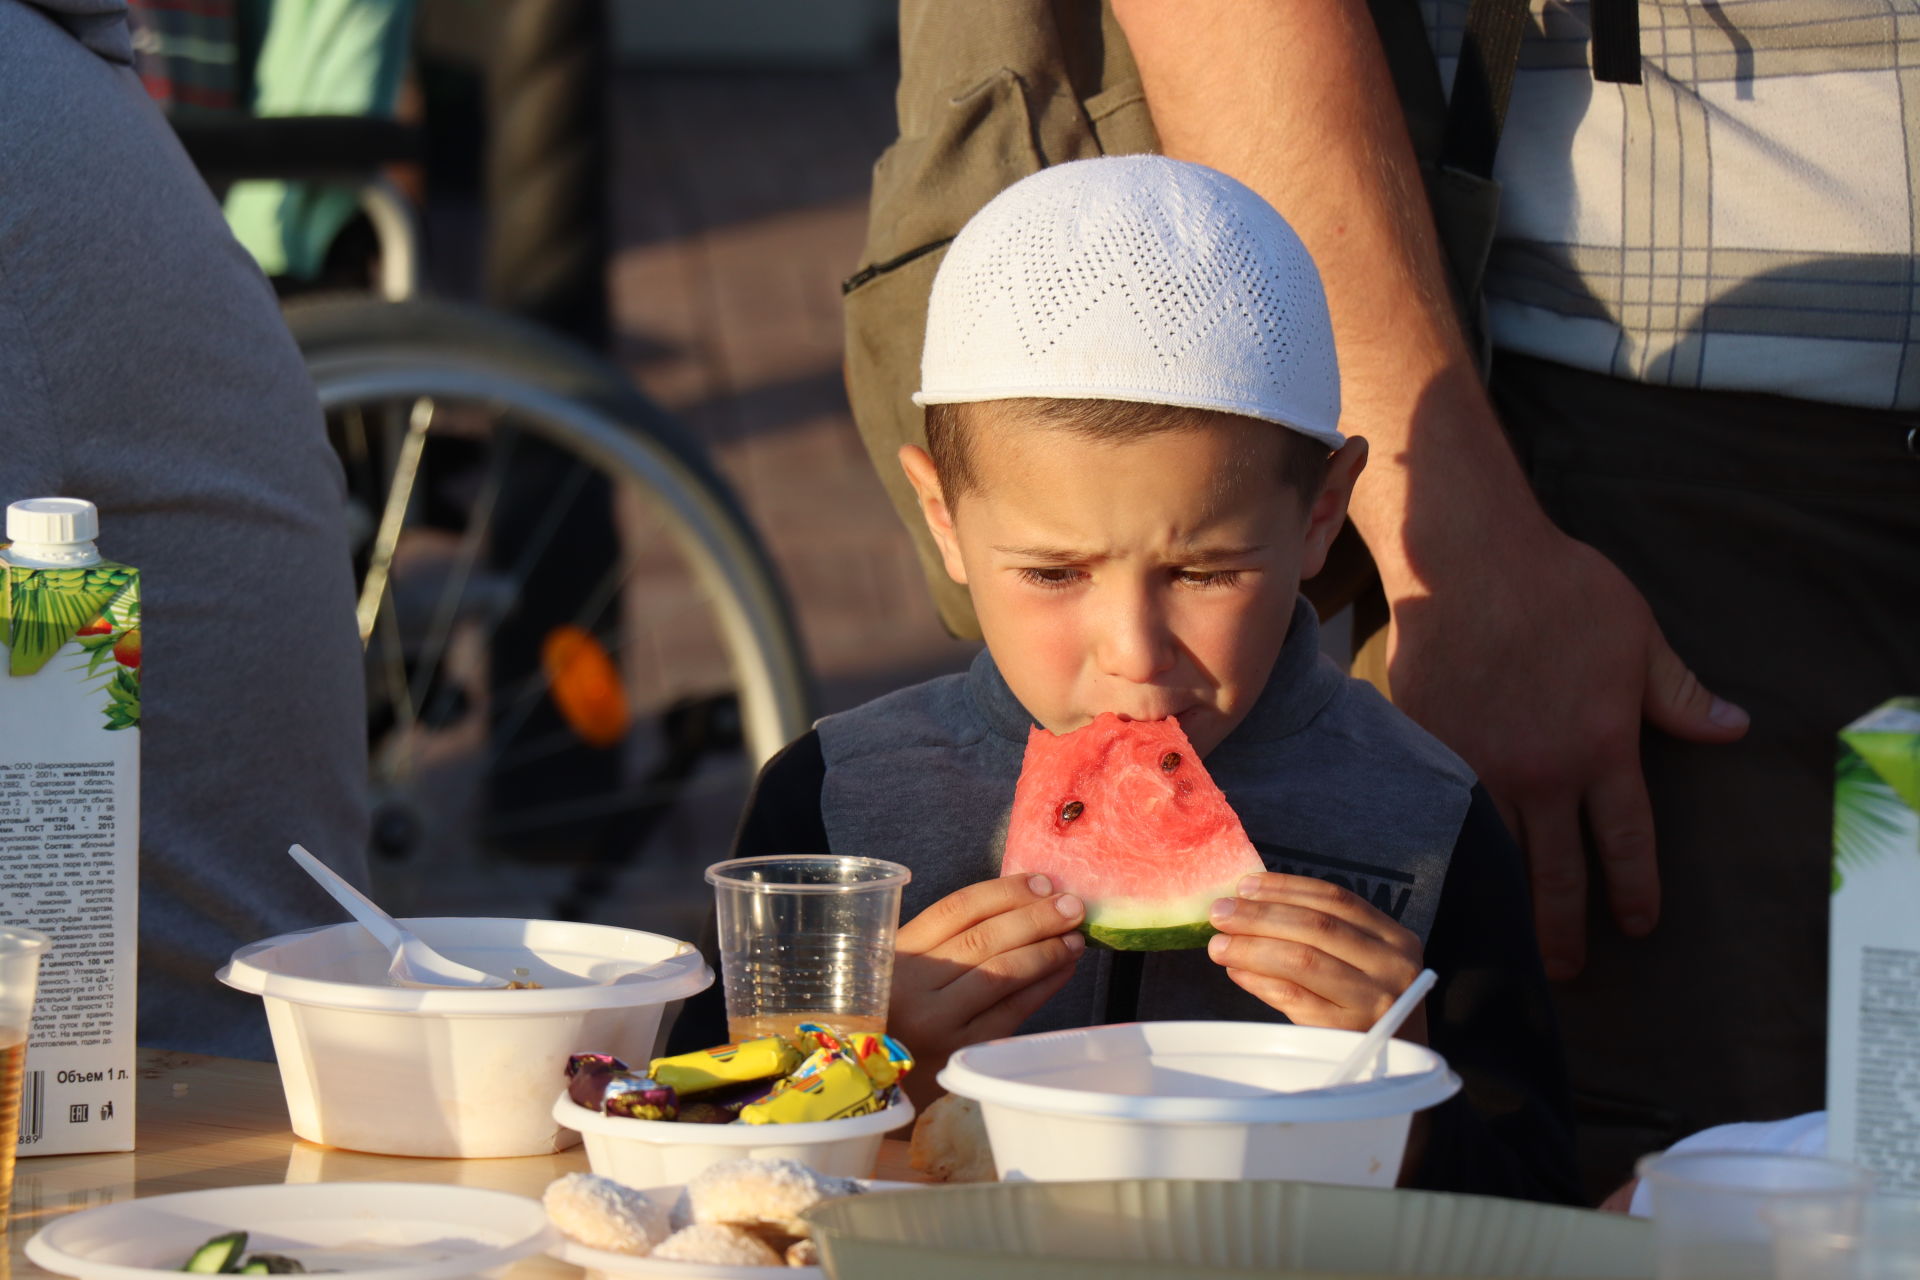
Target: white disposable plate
[(627, 1264), (373, 1230)]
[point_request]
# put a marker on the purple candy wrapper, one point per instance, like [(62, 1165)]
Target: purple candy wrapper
[(639, 1098), (587, 1077)]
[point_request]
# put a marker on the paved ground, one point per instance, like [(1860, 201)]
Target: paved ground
[(740, 205)]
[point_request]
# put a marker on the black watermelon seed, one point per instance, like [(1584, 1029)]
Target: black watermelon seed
[(1071, 810), (1170, 761)]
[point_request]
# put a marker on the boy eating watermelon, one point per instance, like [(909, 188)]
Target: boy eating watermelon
[(1132, 461)]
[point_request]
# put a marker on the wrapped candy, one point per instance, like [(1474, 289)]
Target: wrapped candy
[(693, 1073), (587, 1076), (829, 1085), (640, 1098), (884, 1059), (722, 1106)]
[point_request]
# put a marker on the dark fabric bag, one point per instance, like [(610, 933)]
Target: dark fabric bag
[(993, 91)]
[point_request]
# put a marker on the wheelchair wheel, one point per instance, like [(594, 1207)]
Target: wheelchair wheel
[(576, 645)]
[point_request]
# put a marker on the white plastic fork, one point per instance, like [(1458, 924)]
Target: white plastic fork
[(415, 964)]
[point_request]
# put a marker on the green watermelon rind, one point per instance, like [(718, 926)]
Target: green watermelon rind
[(1179, 937)]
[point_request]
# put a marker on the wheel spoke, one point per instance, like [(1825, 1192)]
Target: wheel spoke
[(393, 516), (472, 541)]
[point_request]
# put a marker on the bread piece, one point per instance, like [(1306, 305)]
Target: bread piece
[(950, 1142)]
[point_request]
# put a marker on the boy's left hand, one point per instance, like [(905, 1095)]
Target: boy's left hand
[(1317, 953)]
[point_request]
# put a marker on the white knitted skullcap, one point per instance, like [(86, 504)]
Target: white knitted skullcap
[(1134, 278)]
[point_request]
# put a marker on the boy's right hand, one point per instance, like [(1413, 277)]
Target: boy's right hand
[(976, 964)]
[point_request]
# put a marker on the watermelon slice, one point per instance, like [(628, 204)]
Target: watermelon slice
[(1122, 814)]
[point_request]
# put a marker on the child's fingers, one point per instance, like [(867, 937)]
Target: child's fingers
[(1000, 977), (1340, 939), (965, 908), (1010, 931), (1301, 1005), (1004, 1018), (1319, 895), (1310, 969)]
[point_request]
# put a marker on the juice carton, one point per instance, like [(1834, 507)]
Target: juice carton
[(1873, 1008), (69, 818)]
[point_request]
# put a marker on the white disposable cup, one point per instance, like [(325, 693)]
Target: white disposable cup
[(1886, 1245), (1713, 1210), (1195, 1100), (806, 937), (458, 1073), (20, 952), (653, 1153)]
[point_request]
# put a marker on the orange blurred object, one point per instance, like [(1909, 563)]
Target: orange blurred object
[(585, 685)]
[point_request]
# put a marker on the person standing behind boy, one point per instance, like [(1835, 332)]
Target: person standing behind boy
[(1127, 360)]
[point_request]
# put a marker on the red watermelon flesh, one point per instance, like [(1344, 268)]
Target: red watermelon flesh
[(1122, 814)]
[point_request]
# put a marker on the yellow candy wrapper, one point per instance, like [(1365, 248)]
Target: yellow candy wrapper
[(830, 1085), (692, 1073), (884, 1058)]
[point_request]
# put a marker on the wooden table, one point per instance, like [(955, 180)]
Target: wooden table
[(217, 1122)]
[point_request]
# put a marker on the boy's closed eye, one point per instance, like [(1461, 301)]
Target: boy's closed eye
[(1051, 577)]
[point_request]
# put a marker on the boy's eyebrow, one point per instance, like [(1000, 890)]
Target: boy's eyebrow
[(1221, 555), (1047, 555), (1198, 556)]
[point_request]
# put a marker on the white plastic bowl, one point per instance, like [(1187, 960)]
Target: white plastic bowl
[(441, 1072), (654, 1153), (375, 1230), (1225, 1100)]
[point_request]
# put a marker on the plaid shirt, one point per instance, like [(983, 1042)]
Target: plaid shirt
[(1747, 218)]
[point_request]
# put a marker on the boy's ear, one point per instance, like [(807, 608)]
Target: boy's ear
[(933, 508), (1328, 510)]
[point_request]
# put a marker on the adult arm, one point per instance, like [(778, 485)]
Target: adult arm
[(1527, 652)]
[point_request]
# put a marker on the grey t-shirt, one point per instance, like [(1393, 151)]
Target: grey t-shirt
[(1328, 779), (144, 366)]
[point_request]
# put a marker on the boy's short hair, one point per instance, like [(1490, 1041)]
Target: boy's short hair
[(1303, 460)]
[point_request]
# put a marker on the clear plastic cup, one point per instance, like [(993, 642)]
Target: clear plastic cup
[(1713, 1211), (20, 952), (1885, 1247), (806, 938)]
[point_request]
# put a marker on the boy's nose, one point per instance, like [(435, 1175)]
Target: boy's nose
[(1136, 644)]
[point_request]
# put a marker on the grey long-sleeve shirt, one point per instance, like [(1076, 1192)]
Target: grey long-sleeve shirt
[(144, 366)]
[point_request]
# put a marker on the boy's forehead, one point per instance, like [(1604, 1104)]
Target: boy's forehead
[(1206, 471)]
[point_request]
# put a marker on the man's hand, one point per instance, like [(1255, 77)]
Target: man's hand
[(1537, 665), (1320, 955), (976, 964)]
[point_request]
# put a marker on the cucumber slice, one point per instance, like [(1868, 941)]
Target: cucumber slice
[(272, 1264), (218, 1255)]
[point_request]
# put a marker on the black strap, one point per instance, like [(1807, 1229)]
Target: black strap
[(1483, 83), (1616, 41)]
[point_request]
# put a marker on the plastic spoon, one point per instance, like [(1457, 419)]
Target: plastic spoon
[(415, 964), (1382, 1031)]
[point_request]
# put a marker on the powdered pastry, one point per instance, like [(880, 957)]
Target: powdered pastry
[(770, 1192), (602, 1214), (718, 1244)]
